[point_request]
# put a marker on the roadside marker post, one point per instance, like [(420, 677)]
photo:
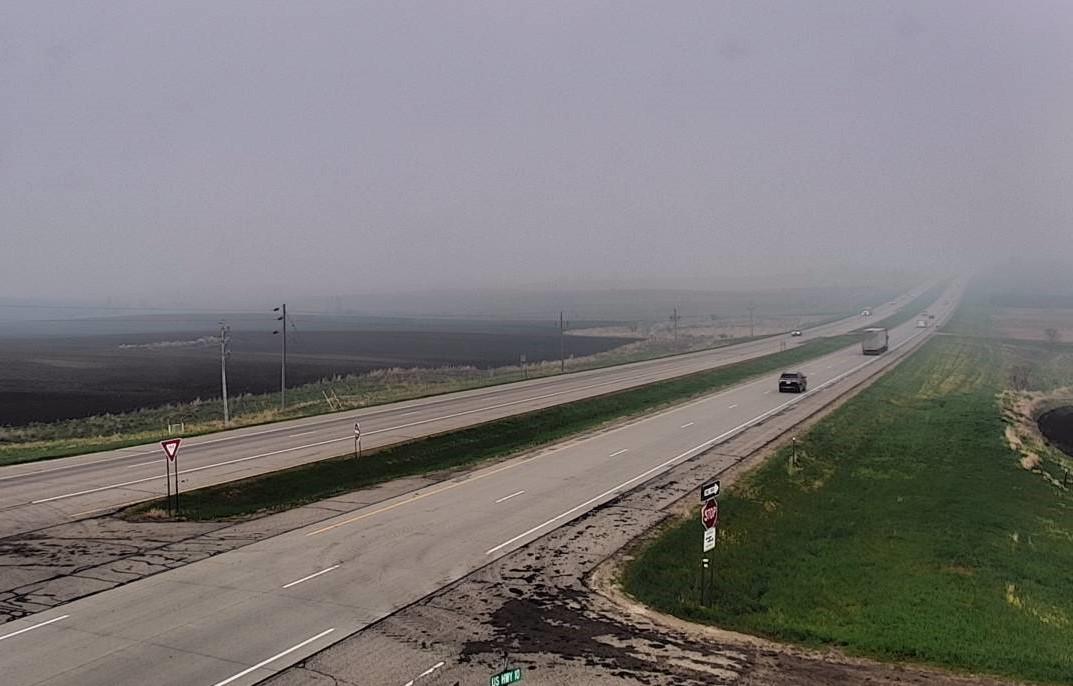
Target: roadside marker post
[(357, 439), (171, 453)]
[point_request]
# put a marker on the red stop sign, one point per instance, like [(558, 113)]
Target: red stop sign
[(709, 514)]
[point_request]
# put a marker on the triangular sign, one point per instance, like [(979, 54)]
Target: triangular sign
[(171, 447)]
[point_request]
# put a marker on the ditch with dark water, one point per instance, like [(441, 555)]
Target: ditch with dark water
[(1057, 427)]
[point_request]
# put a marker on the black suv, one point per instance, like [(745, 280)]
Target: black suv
[(793, 382)]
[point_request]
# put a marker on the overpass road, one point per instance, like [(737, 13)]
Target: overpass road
[(241, 616), (41, 494)]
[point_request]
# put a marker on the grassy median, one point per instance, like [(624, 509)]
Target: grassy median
[(308, 483), (906, 531)]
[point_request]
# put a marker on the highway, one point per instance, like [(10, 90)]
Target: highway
[(244, 615), (41, 494)]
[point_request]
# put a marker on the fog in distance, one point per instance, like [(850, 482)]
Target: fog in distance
[(210, 154)]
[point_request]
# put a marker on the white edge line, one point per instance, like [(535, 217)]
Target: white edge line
[(685, 426), (312, 576), (509, 496), (733, 406), (619, 452), (711, 441), (431, 669), (273, 658), (304, 433), (31, 628), (185, 471), (320, 443)]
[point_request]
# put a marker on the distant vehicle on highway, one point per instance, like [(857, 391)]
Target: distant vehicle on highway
[(875, 341), (795, 333), (866, 313), (922, 323), (793, 382), (931, 316)]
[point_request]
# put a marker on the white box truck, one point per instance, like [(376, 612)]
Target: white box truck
[(875, 341)]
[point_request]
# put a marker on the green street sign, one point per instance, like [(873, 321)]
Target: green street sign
[(511, 676)]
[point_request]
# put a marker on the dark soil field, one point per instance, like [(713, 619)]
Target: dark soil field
[(49, 378)]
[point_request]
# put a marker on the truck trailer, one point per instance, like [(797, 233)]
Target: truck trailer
[(875, 341)]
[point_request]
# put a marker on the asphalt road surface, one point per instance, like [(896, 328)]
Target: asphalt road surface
[(241, 616), (40, 494)]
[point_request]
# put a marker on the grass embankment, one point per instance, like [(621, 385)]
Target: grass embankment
[(308, 483), (907, 531)]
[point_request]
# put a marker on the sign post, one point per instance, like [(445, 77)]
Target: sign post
[(709, 518), (171, 451), (357, 439)]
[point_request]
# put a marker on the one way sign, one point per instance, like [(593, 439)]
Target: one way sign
[(709, 490)]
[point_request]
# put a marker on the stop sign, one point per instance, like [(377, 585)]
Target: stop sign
[(709, 514)]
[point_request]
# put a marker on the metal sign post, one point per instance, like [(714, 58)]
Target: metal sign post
[(709, 518), (171, 452), (167, 473)]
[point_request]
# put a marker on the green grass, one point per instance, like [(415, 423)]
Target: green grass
[(323, 479), (908, 531)]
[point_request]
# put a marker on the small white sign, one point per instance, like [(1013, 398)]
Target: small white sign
[(357, 430), (709, 540)]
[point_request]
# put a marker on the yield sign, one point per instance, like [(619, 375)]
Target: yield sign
[(171, 447)]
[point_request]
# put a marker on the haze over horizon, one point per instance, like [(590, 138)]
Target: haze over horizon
[(222, 153)]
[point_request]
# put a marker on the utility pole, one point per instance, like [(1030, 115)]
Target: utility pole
[(562, 360), (225, 352), (282, 309), (675, 318)]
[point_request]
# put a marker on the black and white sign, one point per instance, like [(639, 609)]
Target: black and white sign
[(709, 490), (709, 540)]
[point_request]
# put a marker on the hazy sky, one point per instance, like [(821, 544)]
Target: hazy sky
[(184, 150)]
